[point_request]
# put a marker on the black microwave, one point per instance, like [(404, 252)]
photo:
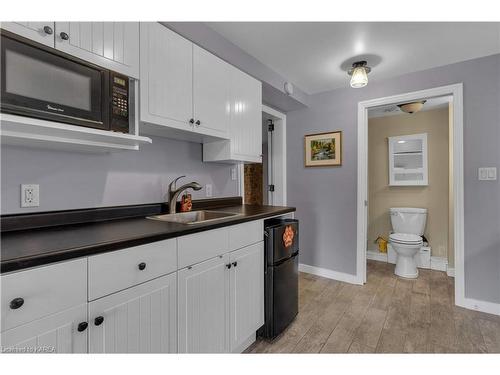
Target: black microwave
[(41, 82)]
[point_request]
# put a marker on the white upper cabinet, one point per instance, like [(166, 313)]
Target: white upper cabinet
[(41, 32), (245, 144), (166, 79), (112, 45), (211, 98), (246, 117)]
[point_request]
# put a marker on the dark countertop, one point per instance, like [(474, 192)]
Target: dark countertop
[(35, 247)]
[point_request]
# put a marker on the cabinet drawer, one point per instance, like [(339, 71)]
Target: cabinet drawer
[(198, 247), (42, 291), (118, 270), (245, 234)]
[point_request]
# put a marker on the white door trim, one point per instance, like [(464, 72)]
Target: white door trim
[(279, 159), (456, 91), (279, 155)]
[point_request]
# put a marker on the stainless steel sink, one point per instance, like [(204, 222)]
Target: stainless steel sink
[(194, 217)]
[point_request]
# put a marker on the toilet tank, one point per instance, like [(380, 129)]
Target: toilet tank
[(408, 220)]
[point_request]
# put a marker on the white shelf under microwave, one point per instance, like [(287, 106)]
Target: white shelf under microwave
[(31, 132)]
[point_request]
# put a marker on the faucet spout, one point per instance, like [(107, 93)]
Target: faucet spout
[(174, 192)]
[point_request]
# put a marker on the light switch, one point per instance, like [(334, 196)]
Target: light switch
[(487, 173), (492, 173)]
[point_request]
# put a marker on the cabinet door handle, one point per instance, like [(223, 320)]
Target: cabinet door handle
[(82, 326), (47, 30), (98, 321), (191, 121), (235, 264), (16, 303), (142, 266), (64, 36), (198, 122), (228, 265)]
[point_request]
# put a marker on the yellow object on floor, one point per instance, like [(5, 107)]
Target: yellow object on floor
[(382, 244)]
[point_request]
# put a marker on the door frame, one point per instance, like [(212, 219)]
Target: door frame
[(278, 158), (456, 92)]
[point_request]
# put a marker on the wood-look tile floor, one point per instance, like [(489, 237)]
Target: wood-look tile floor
[(386, 315)]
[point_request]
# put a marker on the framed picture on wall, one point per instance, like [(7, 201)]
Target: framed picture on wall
[(323, 149)]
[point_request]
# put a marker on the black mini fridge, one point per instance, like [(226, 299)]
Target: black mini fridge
[(281, 275)]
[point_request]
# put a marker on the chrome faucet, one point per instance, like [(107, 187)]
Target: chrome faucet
[(173, 192)]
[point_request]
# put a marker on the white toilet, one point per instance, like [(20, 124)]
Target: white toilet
[(408, 225)]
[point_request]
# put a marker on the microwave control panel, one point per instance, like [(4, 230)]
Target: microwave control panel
[(119, 103)]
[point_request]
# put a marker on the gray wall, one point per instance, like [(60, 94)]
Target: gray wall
[(326, 197), (79, 180)]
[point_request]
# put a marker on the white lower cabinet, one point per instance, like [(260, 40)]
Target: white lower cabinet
[(203, 292), (141, 319), (221, 302), (246, 294), (63, 332)]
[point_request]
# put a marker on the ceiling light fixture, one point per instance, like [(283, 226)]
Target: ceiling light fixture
[(412, 107), (359, 74)]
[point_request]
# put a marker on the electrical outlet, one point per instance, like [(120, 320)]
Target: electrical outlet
[(208, 190), (30, 195), (233, 174)]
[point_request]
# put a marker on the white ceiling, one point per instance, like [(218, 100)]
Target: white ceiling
[(393, 109), (313, 54)]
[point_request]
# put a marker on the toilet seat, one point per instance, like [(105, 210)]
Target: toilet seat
[(405, 238)]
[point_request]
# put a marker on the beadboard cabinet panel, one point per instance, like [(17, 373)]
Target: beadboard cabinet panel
[(166, 77), (142, 319), (204, 306), (41, 32), (56, 333), (246, 293), (211, 96), (112, 45)]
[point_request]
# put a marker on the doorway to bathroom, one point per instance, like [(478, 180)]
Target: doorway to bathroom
[(404, 164)]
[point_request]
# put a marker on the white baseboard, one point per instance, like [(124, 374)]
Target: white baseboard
[(439, 263), (330, 274), (450, 271), (376, 255), (478, 305)]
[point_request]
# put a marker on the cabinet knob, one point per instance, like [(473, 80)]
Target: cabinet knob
[(16, 303), (47, 30), (82, 326), (228, 265), (198, 122), (98, 321), (64, 36), (235, 264), (191, 120), (142, 266)]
